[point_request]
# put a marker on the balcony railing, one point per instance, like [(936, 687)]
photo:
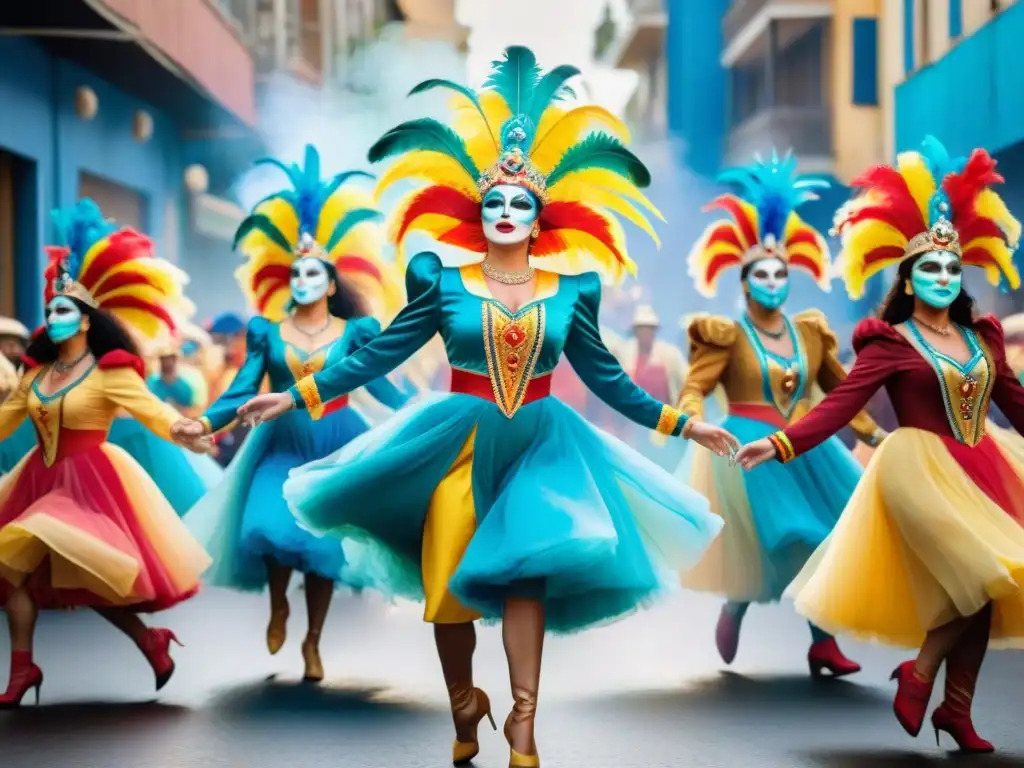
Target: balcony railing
[(740, 13), (805, 130)]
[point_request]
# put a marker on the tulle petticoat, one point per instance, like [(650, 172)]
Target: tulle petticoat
[(452, 501), (933, 532), (775, 515), (94, 530)]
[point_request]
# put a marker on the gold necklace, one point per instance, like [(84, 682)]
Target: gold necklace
[(941, 330), (507, 278)]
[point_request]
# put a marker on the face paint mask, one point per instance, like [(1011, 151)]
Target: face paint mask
[(936, 278), (63, 319), (309, 281), (768, 282), (508, 214)]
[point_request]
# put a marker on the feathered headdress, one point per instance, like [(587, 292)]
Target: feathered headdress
[(519, 130), (335, 222), (114, 269), (763, 223), (929, 201)]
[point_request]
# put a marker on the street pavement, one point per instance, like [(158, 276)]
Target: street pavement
[(647, 692)]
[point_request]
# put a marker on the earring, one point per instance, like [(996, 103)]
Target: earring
[(908, 288), (535, 233)]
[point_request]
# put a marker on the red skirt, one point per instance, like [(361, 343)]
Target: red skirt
[(94, 530)]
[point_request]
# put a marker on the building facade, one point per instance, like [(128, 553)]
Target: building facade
[(111, 100)]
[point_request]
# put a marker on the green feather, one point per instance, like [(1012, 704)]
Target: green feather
[(348, 222), (550, 88), (293, 172), (342, 178), (515, 78), (599, 150), (262, 223), (428, 85), (425, 134)]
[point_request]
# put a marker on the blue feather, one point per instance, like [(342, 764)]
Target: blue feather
[(940, 165), (774, 188), (79, 228)]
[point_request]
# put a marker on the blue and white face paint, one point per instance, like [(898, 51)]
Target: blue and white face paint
[(768, 282), (309, 281), (937, 278), (63, 319), (508, 214)]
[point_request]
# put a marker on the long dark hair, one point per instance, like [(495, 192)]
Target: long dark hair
[(346, 302), (898, 307), (105, 335)]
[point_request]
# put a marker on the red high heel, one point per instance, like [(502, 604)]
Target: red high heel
[(24, 677), (727, 635), (156, 647), (961, 728), (912, 697), (825, 655)]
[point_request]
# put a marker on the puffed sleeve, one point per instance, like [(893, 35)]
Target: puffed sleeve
[(600, 370), (414, 326), (1007, 391), (711, 342), (832, 374), (15, 408), (247, 381), (878, 353), (124, 386), (382, 389)]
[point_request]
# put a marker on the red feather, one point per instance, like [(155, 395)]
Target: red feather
[(802, 236), (357, 264), (133, 302), (882, 253), (469, 235), (732, 204), (809, 265), (899, 210), (978, 257), (724, 233), (444, 201), (567, 215), (125, 245), (122, 279), (963, 188), (121, 358), (718, 263), (272, 286), (275, 272), (975, 226), (547, 243)]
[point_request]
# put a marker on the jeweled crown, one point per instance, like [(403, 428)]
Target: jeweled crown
[(65, 285), (308, 246), (514, 167), (941, 236)]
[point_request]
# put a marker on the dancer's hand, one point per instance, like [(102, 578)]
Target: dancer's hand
[(756, 453), (184, 429), (201, 445), (265, 408), (713, 438)]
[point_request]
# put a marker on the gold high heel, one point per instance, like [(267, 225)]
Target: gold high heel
[(311, 656), (277, 629), (472, 706), (523, 709)]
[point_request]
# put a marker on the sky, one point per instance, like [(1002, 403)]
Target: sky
[(562, 36)]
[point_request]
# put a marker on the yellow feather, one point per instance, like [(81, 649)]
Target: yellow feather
[(97, 248), (605, 179), (142, 292), (433, 167), (434, 224), (283, 216), (991, 205), (598, 197), (141, 322), (567, 129), (481, 143), (1001, 259), (914, 170), (858, 241), (585, 253)]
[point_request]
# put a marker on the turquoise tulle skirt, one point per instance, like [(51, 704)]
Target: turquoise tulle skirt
[(183, 477), (245, 520), (556, 510), (775, 515), (17, 446)]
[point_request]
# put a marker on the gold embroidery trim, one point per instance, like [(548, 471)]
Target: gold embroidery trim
[(782, 446), (669, 420), (512, 346), (47, 423), (311, 397), (300, 368)]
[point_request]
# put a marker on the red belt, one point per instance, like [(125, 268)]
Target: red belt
[(758, 412), (72, 441), (479, 385)]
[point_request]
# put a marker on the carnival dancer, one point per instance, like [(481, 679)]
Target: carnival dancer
[(312, 269), (929, 552), (768, 363), (497, 501), (80, 522)]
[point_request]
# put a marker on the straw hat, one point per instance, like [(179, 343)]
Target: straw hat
[(11, 327), (645, 317)]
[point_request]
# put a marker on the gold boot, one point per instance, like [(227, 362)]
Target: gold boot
[(523, 710), (311, 656), (277, 629), (469, 707)]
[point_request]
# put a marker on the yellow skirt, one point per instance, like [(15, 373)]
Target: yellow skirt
[(931, 534)]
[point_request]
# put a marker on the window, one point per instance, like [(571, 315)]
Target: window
[(956, 19), (908, 35), (125, 206), (865, 62)]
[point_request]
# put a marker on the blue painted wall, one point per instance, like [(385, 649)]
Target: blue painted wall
[(40, 126), (697, 84)]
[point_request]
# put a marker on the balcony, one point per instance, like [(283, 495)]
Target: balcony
[(643, 38), (805, 130), (746, 22)]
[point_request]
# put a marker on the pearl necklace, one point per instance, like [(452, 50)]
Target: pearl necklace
[(507, 278)]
